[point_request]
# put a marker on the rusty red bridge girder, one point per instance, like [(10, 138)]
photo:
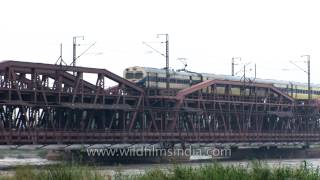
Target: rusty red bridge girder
[(54, 104)]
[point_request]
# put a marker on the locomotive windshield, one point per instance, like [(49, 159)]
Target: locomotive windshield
[(134, 75), (129, 75), (138, 75)]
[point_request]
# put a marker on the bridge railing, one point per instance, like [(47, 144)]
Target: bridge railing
[(76, 137)]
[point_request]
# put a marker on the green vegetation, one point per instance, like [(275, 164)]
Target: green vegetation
[(254, 171), (56, 172)]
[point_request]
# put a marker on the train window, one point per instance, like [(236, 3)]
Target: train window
[(138, 75), (129, 75)]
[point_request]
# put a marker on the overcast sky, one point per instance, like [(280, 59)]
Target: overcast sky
[(207, 33)]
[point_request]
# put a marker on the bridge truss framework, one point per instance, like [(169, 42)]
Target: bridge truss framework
[(50, 104)]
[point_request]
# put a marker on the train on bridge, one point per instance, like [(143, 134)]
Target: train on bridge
[(56, 104), (156, 78)]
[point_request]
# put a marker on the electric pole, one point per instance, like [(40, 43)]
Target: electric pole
[(74, 48), (60, 57), (308, 72), (255, 71), (233, 64), (167, 60), (309, 82), (164, 55), (232, 67)]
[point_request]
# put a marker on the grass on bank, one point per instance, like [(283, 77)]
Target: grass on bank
[(254, 171), (54, 172)]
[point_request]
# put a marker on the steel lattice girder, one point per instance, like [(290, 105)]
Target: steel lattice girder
[(36, 95), (45, 103)]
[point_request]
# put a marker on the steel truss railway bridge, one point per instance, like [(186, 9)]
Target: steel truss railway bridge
[(56, 104)]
